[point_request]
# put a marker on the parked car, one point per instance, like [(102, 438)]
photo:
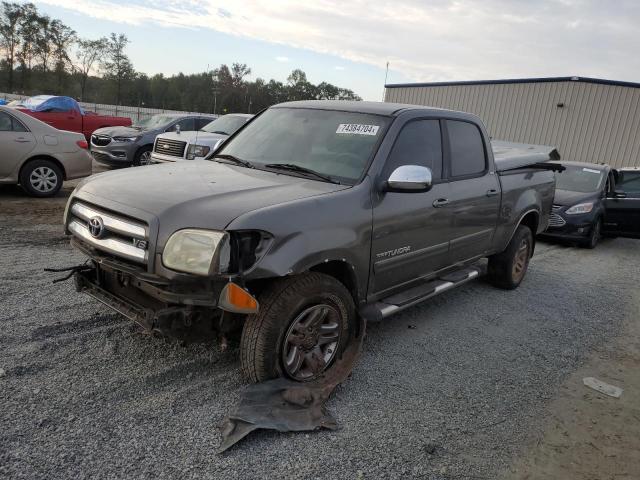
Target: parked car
[(312, 214), (64, 113), (38, 156), (196, 145), (133, 145), (590, 202)]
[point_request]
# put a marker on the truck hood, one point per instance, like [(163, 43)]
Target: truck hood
[(567, 198), (119, 131), (203, 138), (198, 194)]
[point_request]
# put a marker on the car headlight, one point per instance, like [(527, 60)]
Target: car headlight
[(580, 208), (125, 139), (201, 252), (197, 151)]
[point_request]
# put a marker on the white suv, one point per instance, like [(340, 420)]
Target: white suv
[(177, 145)]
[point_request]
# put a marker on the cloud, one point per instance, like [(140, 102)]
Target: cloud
[(282, 59), (426, 40)]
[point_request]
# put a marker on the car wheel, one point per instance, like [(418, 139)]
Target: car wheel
[(41, 178), (507, 269), (595, 235), (304, 323), (143, 157)]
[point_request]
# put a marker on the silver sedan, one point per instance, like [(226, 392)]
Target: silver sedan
[(37, 156)]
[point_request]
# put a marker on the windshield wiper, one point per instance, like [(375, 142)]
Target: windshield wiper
[(220, 132), (235, 159), (297, 168)]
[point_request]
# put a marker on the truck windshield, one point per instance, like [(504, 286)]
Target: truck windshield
[(225, 125), (579, 179), (332, 143)]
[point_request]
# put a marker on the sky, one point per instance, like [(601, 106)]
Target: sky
[(348, 43)]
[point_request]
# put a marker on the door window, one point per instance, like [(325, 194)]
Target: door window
[(419, 143), (186, 125), (467, 149), (6, 123), (629, 182)]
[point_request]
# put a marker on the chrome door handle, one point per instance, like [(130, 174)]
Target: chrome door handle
[(492, 193), (22, 140), (441, 202)]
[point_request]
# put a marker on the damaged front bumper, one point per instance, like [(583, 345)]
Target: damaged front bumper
[(188, 310)]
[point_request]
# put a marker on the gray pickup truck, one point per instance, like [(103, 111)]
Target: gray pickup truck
[(311, 216)]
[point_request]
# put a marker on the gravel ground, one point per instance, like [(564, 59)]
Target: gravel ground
[(454, 388)]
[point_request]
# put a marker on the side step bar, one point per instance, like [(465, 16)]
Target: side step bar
[(381, 309)]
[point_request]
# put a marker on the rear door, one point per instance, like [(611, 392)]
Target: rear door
[(410, 235), (16, 143), (622, 205), (474, 199)]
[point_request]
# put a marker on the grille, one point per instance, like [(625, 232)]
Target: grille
[(101, 156), (170, 147), (100, 140), (110, 233), (556, 220)]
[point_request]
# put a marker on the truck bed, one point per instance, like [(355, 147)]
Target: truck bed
[(512, 156)]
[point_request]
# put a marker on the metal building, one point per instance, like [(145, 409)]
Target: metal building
[(588, 119)]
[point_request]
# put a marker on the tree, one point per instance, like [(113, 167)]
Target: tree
[(117, 66), (11, 15), (28, 38), (88, 53), (43, 42), (62, 37)]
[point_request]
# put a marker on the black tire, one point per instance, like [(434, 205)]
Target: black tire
[(41, 178), (595, 235), (142, 156), (264, 345), (507, 269)]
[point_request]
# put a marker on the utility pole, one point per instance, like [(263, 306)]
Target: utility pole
[(386, 75)]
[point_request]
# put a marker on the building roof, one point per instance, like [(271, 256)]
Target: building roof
[(518, 80)]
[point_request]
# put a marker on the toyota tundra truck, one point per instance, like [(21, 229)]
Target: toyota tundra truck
[(313, 216)]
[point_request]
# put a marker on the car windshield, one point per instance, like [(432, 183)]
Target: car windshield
[(333, 143), (226, 125), (151, 123), (579, 179)]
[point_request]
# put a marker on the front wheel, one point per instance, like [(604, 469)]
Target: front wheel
[(303, 325), (507, 269), (595, 235), (143, 157)]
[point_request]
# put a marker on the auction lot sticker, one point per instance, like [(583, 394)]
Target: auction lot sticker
[(357, 129)]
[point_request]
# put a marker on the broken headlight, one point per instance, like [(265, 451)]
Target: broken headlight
[(200, 252)]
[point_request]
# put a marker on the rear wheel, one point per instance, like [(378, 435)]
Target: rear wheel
[(303, 325), (143, 157), (41, 178), (507, 269)]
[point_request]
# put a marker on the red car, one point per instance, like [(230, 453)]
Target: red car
[(64, 113)]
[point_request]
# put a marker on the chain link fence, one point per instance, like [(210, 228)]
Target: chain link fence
[(134, 113)]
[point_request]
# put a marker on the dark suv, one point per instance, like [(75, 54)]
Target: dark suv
[(593, 200)]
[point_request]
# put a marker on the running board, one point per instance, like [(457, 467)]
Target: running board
[(381, 309)]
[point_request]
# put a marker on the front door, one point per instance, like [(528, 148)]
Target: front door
[(410, 234), (622, 206), (16, 143), (475, 193)]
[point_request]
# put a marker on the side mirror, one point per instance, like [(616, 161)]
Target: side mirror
[(410, 178)]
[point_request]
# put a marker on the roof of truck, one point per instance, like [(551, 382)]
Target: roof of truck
[(374, 108)]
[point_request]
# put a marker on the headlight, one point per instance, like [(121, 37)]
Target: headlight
[(580, 208), (125, 139), (197, 151), (201, 252)]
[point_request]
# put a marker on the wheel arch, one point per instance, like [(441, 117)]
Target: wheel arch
[(54, 160), (530, 219), (343, 272)]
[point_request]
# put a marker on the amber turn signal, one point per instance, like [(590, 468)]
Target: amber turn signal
[(234, 298)]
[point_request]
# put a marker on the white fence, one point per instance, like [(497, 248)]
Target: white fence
[(135, 113)]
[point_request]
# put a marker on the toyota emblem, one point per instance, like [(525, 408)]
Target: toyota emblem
[(96, 227)]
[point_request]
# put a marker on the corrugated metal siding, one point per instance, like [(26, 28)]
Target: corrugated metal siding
[(599, 123)]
